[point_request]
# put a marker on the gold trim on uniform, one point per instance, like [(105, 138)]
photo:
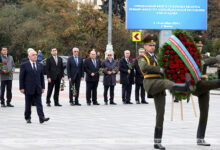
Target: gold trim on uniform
[(151, 76)]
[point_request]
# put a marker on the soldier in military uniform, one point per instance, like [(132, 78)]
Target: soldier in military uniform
[(202, 92), (155, 86)]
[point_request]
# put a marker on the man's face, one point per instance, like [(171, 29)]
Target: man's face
[(127, 54), (141, 52), (33, 56), (93, 55), (54, 52), (75, 52), (4, 51), (109, 56), (149, 48)]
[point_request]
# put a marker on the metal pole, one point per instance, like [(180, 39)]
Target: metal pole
[(136, 49), (109, 46)]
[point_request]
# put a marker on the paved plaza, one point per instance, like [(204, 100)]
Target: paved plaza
[(120, 127)]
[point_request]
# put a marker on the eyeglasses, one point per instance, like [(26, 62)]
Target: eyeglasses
[(34, 55), (76, 51), (151, 45), (109, 55)]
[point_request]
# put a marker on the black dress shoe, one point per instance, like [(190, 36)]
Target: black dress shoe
[(28, 120), (106, 103), (78, 104), (202, 142), (3, 105), (10, 105), (137, 102), (58, 105), (129, 103), (48, 105), (96, 103), (144, 102), (159, 146), (44, 119), (89, 104), (113, 103)]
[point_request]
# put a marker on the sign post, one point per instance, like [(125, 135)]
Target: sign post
[(136, 37)]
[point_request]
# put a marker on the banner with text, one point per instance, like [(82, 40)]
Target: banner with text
[(166, 14)]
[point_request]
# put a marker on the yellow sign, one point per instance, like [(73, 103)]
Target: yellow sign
[(136, 36)]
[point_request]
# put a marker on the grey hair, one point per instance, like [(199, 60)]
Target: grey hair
[(29, 52), (140, 49), (30, 49), (75, 48)]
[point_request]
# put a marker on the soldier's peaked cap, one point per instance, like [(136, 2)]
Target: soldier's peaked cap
[(150, 39)]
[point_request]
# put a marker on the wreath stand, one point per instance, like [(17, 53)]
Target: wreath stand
[(181, 107)]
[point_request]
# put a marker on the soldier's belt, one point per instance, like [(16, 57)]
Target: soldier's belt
[(204, 76), (152, 76)]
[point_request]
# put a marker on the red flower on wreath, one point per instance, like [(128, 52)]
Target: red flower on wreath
[(5, 63), (169, 47), (165, 65), (165, 59), (106, 68), (172, 66), (166, 52)]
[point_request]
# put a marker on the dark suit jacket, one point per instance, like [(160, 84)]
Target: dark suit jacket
[(90, 68), (138, 74), (109, 80), (125, 78), (29, 80), (54, 71), (73, 70)]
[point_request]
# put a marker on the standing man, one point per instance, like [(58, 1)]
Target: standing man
[(111, 67), (31, 81), (39, 56), (75, 72), (155, 85), (126, 76), (202, 92), (55, 72), (6, 77), (91, 67), (139, 80)]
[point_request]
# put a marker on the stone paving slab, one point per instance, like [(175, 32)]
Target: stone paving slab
[(120, 127)]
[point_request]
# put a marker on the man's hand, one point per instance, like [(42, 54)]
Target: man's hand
[(92, 74), (129, 71), (62, 79), (113, 72), (49, 80), (109, 72), (42, 90), (70, 79), (82, 78), (22, 91)]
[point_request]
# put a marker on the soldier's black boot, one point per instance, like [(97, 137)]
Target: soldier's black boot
[(201, 135), (157, 138), (184, 87)]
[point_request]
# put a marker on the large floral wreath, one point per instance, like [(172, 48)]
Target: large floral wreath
[(174, 67)]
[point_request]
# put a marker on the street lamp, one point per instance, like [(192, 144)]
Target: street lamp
[(109, 46)]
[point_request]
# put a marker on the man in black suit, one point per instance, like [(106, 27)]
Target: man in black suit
[(55, 72), (75, 72), (126, 76), (31, 81), (91, 67), (139, 81)]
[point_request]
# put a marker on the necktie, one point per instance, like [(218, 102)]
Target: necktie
[(34, 67), (94, 62), (76, 60)]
